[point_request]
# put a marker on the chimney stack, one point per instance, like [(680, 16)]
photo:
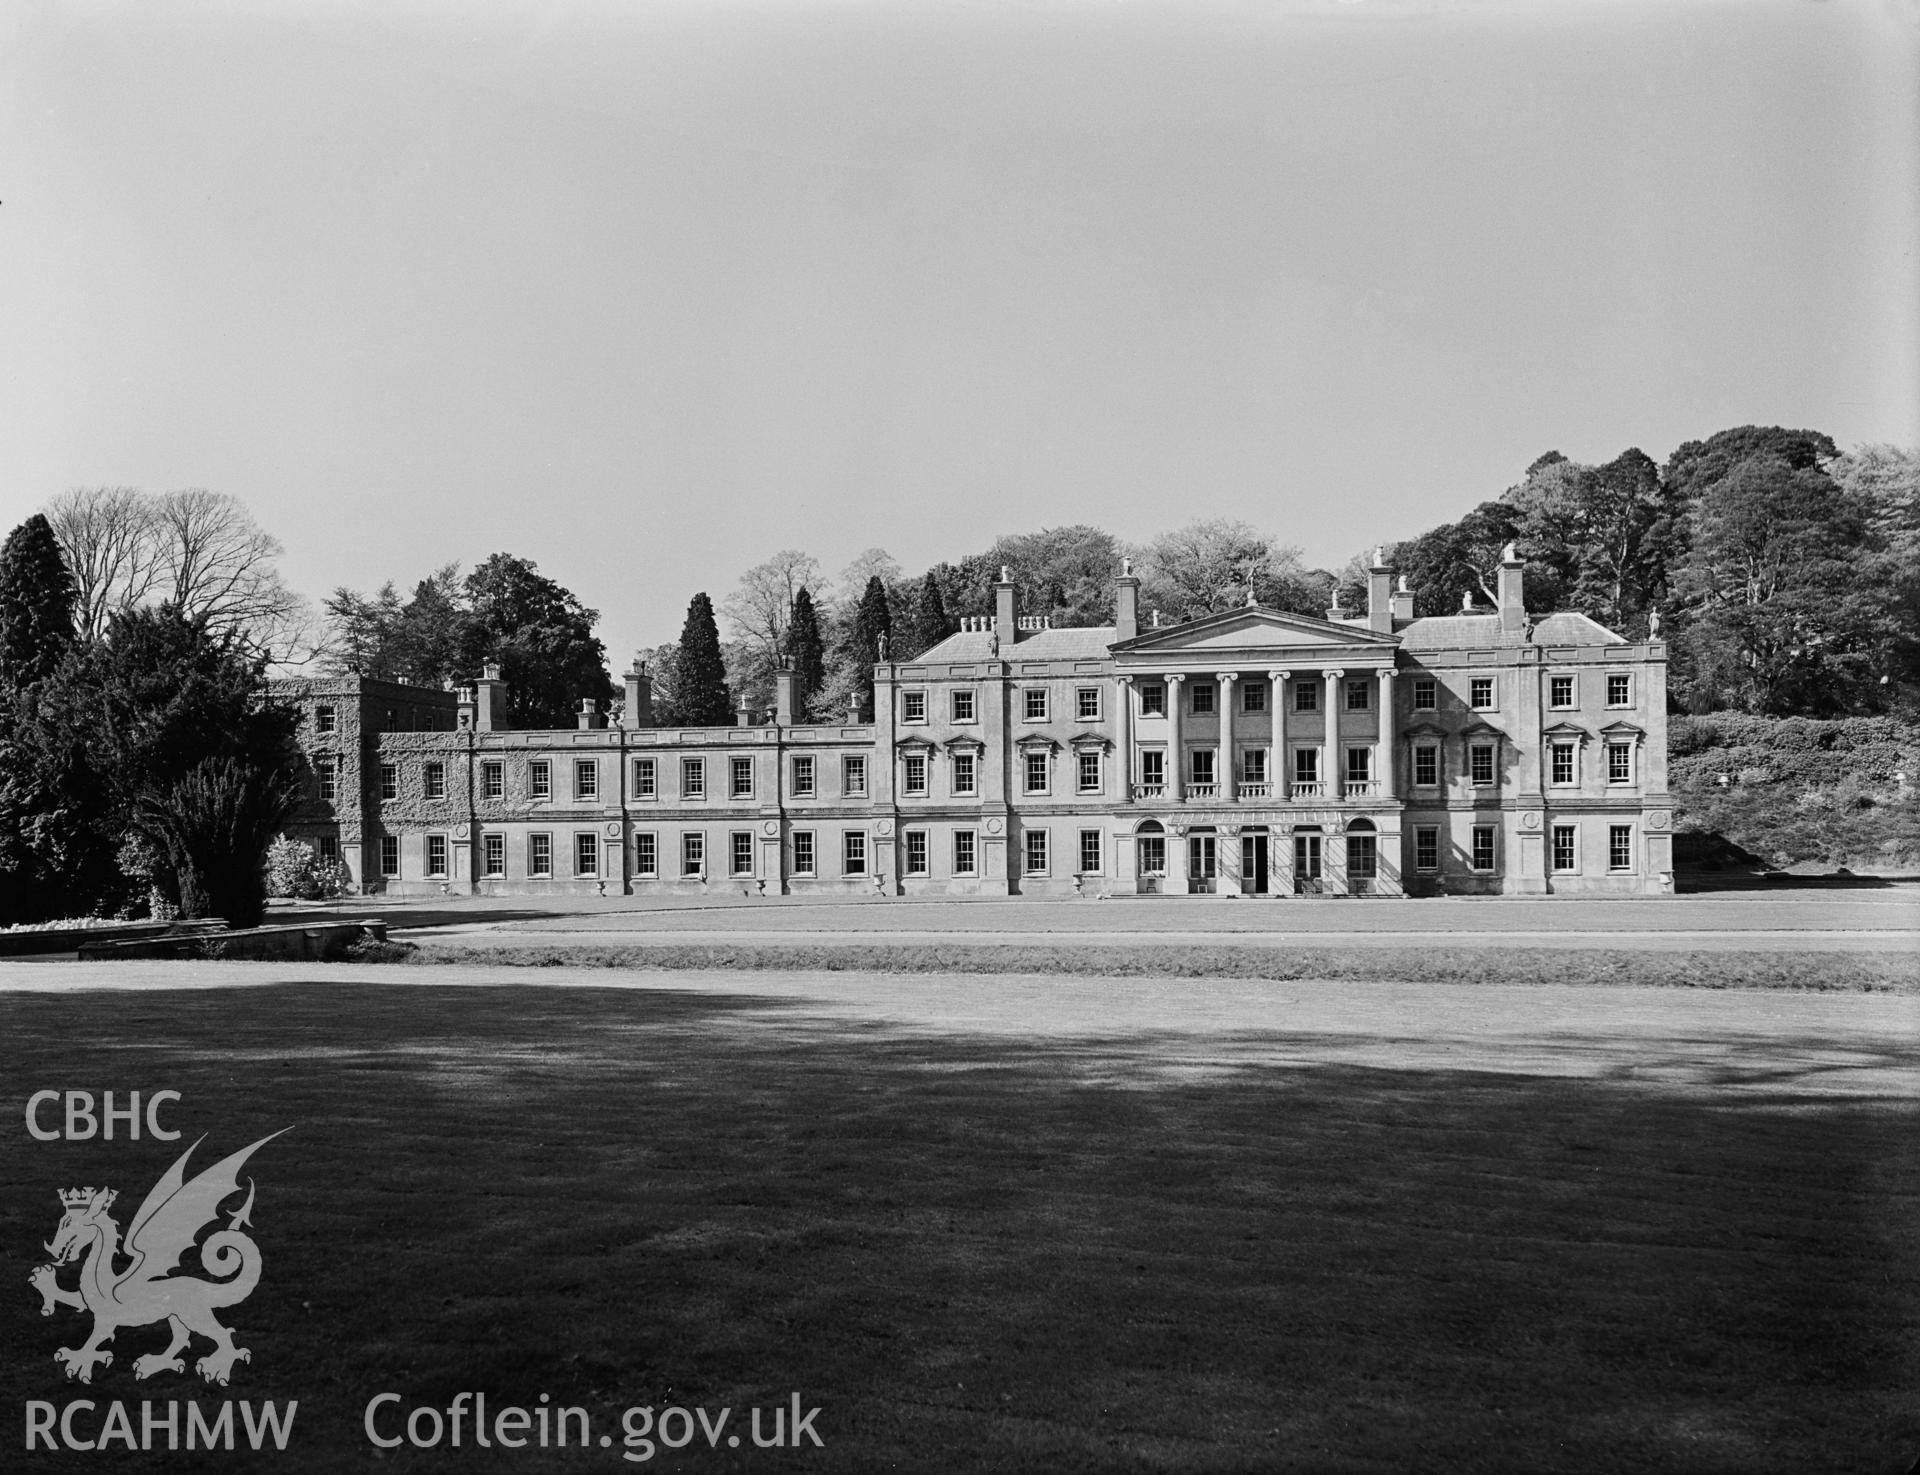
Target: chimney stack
[(590, 714), (783, 696), (1126, 603), (1005, 616), (1512, 591), (1402, 602), (490, 700), (1380, 594), (639, 711)]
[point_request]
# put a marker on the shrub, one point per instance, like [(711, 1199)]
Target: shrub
[(295, 870)]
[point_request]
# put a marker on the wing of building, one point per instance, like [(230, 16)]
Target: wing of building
[(1250, 752)]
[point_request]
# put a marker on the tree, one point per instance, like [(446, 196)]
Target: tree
[(874, 563), (806, 654), (930, 623), (214, 827), (360, 633), (1601, 533), (217, 567), (108, 536), (761, 607), (118, 724), (543, 638), (872, 626), (701, 698), (1780, 615), (1697, 465), (36, 605), (1213, 565), (197, 550), (432, 637), (1462, 558)]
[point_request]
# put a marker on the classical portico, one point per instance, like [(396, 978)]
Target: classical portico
[(1256, 750)]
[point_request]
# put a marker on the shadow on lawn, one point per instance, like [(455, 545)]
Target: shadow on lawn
[(1027, 1254)]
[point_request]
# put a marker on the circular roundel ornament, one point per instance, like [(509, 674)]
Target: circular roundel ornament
[(993, 826), (771, 827), (885, 827), (460, 832), (1658, 819), (1530, 820), (613, 829)]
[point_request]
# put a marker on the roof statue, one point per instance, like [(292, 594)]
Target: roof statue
[(1509, 554)]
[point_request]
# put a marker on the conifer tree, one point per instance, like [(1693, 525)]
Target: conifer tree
[(872, 620), (806, 653), (930, 622), (701, 698), (36, 604)]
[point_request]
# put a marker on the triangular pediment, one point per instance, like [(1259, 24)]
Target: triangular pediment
[(1254, 629)]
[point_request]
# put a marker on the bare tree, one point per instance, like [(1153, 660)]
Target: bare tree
[(763, 604), (200, 551), (875, 562), (218, 565), (107, 535)]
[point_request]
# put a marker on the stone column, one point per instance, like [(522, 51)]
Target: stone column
[(1123, 734), (1231, 784), (1332, 773), (1386, 752), (1176, 753), (1279, 773)]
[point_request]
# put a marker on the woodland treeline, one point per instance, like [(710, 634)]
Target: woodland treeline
[(1785, 572)]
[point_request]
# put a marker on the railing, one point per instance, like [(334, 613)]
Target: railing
[(1203, 791), (1304, 791), (1253, 791), (1363, 788), (1150, 791)]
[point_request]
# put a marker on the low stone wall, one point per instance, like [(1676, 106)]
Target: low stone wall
[(70, 939), (298, 942)]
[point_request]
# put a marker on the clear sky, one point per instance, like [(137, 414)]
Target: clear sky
[(646, 291)]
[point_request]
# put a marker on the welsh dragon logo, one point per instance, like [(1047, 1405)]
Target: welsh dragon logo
[(146, 1290)]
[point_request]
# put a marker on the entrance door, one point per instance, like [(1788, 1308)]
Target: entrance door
[(1363, 863), (1203, 862), (1153, 863), (1306, 865), (1253, 863)]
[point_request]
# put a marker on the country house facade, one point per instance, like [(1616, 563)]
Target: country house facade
[(1250, 752)]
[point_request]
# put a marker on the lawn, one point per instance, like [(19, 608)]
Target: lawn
[(976, 1255), (1826, 971)]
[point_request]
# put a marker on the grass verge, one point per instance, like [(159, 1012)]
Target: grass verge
[(1831, 972)]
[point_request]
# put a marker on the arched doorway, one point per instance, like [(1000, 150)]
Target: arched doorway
[(1363, 857), (1150, 858)]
